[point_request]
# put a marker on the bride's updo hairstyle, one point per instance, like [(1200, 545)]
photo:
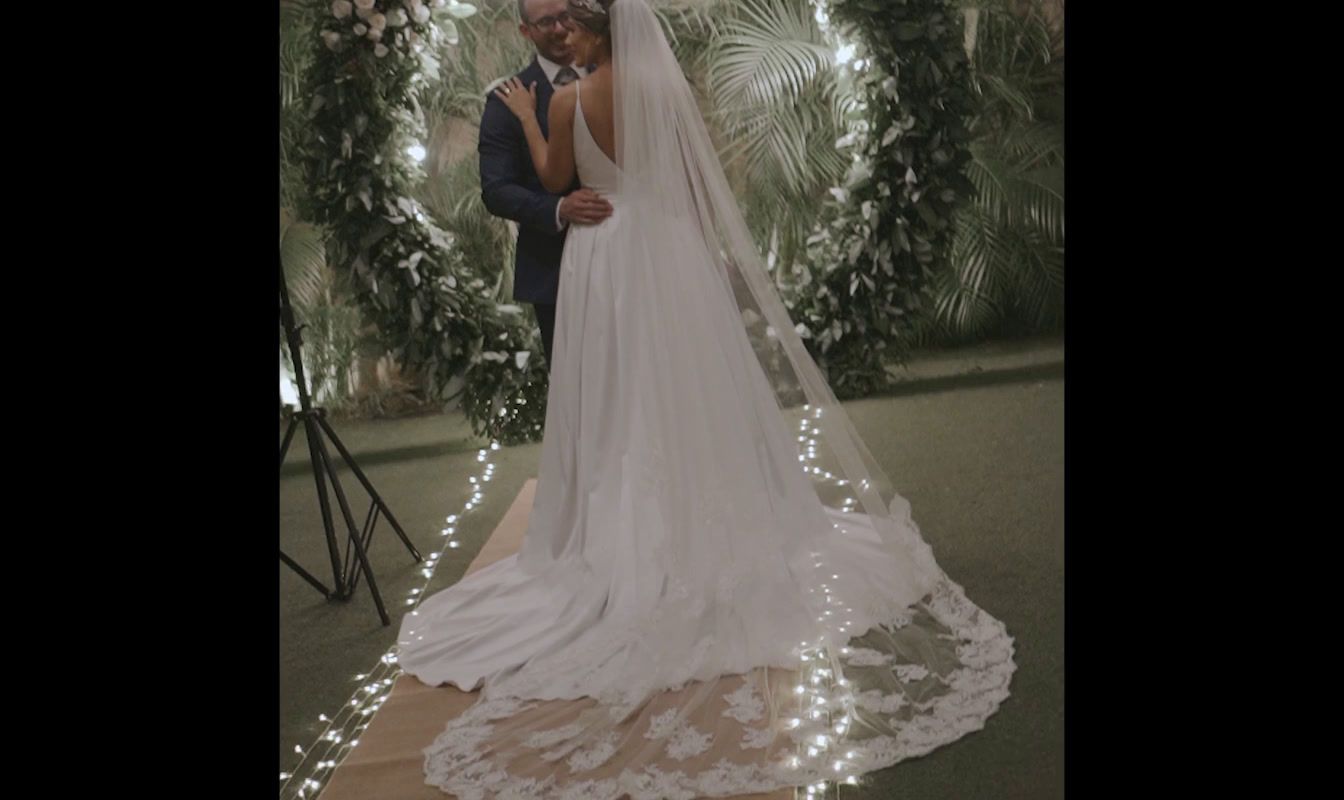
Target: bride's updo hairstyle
[(593, 15)]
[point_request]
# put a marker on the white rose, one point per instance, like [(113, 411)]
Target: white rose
[(332, 39), (341, 9), (381, 50), (378, 22), (397, 18), (421, 13), (413, 37), (375, 34), (364, 13), (364, 4), (361, 29)]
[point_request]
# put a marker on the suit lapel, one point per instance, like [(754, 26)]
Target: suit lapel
[(534, 72)]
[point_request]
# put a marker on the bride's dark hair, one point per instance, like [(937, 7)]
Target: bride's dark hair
[(595, 15)]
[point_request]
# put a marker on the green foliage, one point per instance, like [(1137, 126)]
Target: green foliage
[(887, 230), (317, 296), (778, 103), (433, 308), (1006, 271)]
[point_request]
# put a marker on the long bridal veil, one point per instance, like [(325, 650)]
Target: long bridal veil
[(890, 658)]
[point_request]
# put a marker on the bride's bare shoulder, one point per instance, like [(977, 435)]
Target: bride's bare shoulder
[(563, 99)]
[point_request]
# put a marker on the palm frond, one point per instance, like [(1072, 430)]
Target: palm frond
[(295, 49), (1008, 191), (690, 25), (772, 50), (1034, 142), (777, 108), (303, 257), (998, 89), (1041, 195)]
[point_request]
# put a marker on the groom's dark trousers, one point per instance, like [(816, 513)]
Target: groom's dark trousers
[(511, 189)]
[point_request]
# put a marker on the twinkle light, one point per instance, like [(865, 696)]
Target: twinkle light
[(331, 744)]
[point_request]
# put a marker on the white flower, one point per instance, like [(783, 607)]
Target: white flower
[(361, 29), (419, 10), (364, 13), (365, 4), (378, 22), (397, 18), (375, 34), (341, 9), (332, 39), (380, 51)]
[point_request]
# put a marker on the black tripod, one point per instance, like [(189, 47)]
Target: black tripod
[(315, 425)]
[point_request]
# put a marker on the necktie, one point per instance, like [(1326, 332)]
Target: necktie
[(565, 75)]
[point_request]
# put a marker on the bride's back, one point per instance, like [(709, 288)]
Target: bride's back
[(598, 109)]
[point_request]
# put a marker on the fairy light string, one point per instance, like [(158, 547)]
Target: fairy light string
[(341, 731)]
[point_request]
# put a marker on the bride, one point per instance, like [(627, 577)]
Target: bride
[(719, 592)]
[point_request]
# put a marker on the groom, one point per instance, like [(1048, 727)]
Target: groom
[(510, 187)]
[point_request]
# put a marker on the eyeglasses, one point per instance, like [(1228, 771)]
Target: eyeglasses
[(546, 23)]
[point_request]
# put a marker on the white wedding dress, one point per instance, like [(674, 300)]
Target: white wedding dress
[(692, 614)]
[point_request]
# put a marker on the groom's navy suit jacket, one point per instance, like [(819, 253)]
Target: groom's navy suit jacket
[(511, 189)]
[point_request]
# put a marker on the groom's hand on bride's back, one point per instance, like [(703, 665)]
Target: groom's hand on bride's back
[(584, 207)]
